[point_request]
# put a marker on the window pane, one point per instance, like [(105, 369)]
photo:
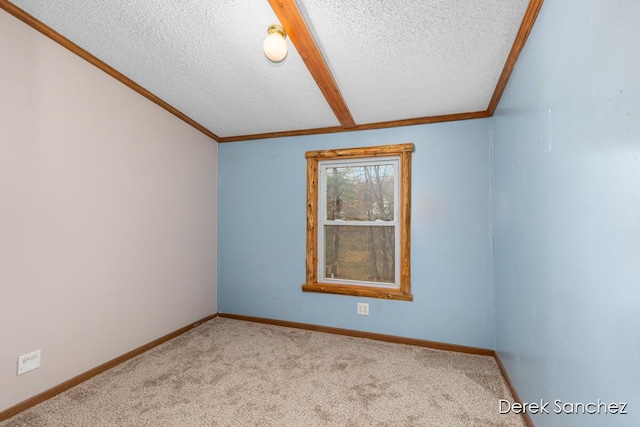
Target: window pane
[(360, 193), (364, 253)]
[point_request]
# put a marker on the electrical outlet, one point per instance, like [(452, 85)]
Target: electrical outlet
[(28, 362), (363, 308)]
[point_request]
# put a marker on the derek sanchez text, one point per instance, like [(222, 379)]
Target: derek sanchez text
[(560, 407)]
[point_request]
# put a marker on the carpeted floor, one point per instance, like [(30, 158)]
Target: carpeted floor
[(235, 373)]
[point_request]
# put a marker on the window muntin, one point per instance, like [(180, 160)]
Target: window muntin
[(358, 224), (325, 212)]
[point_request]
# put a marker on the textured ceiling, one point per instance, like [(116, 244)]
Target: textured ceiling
[(391, 60), (397, 60)]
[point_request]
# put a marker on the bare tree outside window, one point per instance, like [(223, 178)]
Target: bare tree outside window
[(360, 193)]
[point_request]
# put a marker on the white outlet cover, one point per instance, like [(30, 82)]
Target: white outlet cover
[(28, 362), (363, 308)]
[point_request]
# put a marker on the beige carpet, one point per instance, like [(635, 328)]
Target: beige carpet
[(235, 373)]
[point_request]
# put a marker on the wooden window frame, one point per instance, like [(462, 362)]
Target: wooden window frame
[(403, 151)]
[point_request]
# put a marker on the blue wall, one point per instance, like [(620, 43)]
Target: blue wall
[(566, 187), (561, 161), (262, 232)]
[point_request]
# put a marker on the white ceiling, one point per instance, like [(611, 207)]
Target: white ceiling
[(392, 60)]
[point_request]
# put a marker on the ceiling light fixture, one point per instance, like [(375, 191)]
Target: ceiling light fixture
[(275, 45)]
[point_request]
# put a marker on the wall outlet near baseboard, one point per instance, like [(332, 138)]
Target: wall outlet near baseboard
[(363, 308), (28, 362)]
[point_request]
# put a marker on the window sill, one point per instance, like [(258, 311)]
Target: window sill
[(360, 291)]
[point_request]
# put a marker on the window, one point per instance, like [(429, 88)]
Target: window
[(358, 221)]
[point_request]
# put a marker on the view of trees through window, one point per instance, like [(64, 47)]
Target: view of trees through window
[(360, 229)]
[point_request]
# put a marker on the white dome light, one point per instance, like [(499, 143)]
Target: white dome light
[(275, 45)]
